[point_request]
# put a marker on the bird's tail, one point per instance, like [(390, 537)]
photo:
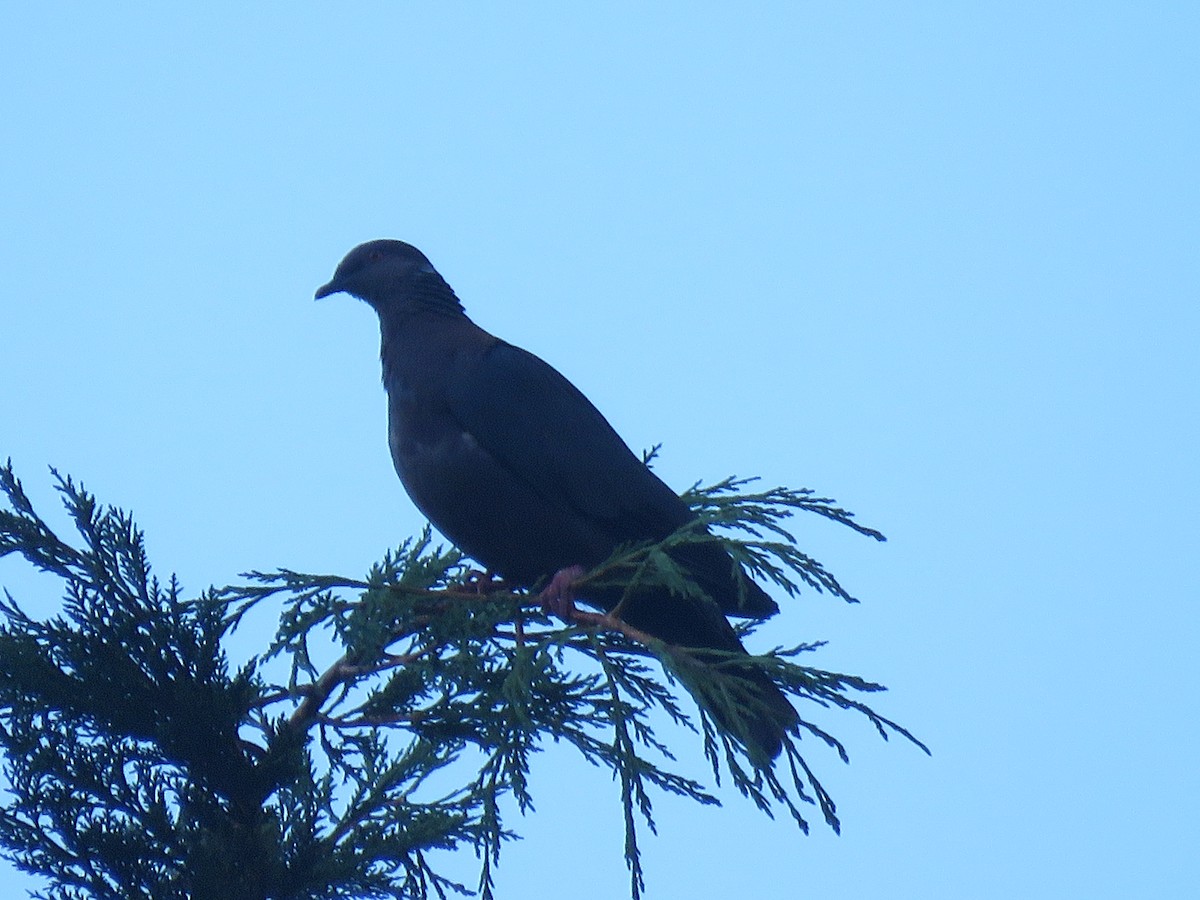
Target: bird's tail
[(706, 656), (743, 700)]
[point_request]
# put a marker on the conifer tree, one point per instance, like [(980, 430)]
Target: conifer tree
[(142, 762)]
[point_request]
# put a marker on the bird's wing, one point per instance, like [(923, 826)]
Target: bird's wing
[(543, 430)]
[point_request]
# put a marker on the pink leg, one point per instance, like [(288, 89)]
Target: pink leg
[(558, 597), (485, 582)]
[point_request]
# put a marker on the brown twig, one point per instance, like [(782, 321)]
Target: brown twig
[(340, 673), (344, 671), (612, 623)]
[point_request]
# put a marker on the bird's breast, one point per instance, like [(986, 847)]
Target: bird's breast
[(429, 448), (481, 505)]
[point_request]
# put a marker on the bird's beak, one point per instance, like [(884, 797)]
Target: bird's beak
[(326, 289)]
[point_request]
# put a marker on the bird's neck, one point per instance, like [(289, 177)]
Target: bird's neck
[(410, 332), (429, 293)]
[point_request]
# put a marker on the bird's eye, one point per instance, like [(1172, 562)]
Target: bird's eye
[(375, 256)]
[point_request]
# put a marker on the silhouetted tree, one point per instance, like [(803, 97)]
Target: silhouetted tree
[(143, 764)]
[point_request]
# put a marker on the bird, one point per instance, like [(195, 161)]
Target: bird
[(521, 472)]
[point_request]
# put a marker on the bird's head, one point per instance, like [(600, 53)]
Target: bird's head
[(390, 275)]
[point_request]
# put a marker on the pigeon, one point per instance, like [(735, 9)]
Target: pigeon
[(517, 468)]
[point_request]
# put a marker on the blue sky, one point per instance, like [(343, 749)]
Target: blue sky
[(938, 261)]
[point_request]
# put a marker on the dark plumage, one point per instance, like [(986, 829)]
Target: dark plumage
[(520, 471)]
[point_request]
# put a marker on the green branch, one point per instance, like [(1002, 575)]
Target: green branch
[(142, 763)]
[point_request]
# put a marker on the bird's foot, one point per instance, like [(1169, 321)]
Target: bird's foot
[(482, 582), (558, 597)]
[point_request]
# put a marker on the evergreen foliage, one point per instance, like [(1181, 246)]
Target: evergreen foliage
[(389, 719)]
